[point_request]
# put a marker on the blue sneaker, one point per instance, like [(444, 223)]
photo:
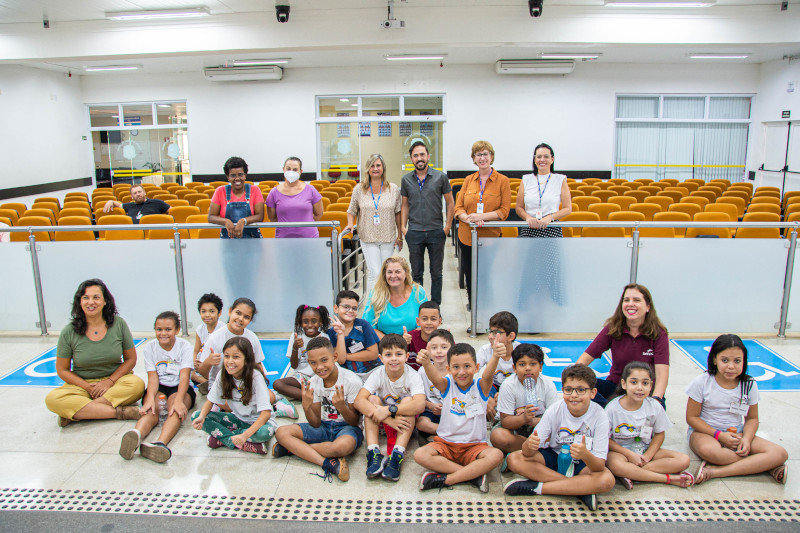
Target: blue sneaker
[(375, 463), (590, 500), (520, 487), (392, 469)]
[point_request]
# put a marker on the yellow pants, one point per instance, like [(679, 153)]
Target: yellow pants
[(68, 399)]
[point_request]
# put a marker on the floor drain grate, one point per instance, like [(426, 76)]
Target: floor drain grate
[(540, 510)]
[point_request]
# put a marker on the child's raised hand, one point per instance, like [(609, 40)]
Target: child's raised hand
[(338, 398), (406, 335), (578, 449), (337, 325), (298, 342), (214, 358), (307, 394), (499, 349), (531, 444), (422, 357)]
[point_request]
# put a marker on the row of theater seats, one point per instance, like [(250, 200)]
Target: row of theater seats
[(188, 204)]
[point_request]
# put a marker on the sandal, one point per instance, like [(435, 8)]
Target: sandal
[(687, 480), (780, 473), (700, 476), (625, 482)]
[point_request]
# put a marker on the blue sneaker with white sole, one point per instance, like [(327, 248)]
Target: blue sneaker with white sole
[(375, 463), (392, 469)]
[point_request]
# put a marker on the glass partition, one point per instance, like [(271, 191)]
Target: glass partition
[(340, 153), (19, 311), (793, 317), (551, 285)]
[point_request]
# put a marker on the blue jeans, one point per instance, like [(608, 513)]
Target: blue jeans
[(434, 241), (329, 432)]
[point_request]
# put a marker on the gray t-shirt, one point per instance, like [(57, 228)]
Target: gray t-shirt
[(425, 202)]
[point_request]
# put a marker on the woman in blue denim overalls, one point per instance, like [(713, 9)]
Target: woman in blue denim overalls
[(242, 204)]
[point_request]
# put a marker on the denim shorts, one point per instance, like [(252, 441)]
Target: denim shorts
[(551, 460), (329, 432)]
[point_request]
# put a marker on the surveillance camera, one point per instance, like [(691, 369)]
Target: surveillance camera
[(46, 24), (784, 6), (393, 24), (535, 7), (282, 13)]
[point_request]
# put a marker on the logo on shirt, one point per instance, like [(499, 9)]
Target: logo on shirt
[(566, 432), (502, 373), (458, 407), (163, 365), (394, 399), (648, 353), (628, 427)]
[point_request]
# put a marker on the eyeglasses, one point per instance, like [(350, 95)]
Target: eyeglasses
[(496, 332), (580, 391), (483, 154), (348, 308)]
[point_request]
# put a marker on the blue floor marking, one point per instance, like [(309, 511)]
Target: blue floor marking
[(769, 369), (39, 372), (275, 361), (559, 354)]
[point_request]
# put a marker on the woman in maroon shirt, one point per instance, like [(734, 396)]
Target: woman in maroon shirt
[(633, 333)]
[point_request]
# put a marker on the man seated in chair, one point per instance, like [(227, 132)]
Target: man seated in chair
[(140, 206)]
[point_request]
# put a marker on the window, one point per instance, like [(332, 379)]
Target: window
[(140, 142), (681, 136), (351, 127)]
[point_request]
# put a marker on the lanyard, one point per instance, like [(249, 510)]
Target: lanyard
[(542, 191), (483, 185), (373, 195), (421, 183)]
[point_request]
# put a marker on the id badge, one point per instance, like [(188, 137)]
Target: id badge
[(376, 219), (589, 441), (473, 410), (646, 433), (357, 347), (480, 208), (739, 408), (538, 214)]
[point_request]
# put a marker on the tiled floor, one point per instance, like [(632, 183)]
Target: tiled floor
[(84, 456)]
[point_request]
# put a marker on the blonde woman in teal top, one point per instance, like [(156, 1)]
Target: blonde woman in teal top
[(394, 302)]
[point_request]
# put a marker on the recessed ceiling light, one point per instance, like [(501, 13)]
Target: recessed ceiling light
[(571, 56), (415, 57), (344, 99), (659, 3), (160, 14), (103, 68), (719, 56), (354, 105), (258, 62)]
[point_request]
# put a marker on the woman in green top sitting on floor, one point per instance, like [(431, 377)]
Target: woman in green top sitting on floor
[(97, 385)]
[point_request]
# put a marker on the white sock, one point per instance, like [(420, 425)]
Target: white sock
[(373, 447), (400, 449)]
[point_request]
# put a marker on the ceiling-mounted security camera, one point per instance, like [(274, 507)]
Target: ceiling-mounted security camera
[(282, 12), (391, 22), (535, 7)]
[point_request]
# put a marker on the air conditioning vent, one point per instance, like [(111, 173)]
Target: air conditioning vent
[(243, 73), (534, 66)]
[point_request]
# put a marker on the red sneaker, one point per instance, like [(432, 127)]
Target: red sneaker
[(254, 447)]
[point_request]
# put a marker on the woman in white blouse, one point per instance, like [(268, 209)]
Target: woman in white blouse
[(375, 208), (543, 196)]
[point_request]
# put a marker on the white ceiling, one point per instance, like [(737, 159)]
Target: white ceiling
[(346, 32)]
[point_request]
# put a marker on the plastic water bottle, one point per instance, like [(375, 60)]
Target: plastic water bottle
[(638, 445), (162, 407), (530, 393), (565, 466)]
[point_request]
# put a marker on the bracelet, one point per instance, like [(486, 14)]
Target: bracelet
[(716, 434)]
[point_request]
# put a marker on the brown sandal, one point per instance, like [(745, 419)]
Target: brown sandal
[(780, 473), (128, 412)]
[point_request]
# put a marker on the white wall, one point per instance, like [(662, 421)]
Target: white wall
[(265, 121), (773, 98), (43, 120)]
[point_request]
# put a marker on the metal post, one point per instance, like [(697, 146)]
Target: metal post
[(181, 282), (787, 284), (337, 263), (37, 280), (473, 307), (635, 254)]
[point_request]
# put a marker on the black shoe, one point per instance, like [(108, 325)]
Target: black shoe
[(590, 500), (155, 451), (432, 480), (481, 483), (279, 451), (521, 487)]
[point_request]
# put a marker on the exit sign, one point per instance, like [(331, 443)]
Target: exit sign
[(786, 114)]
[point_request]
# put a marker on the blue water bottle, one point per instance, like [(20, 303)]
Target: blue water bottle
[(564, 460)]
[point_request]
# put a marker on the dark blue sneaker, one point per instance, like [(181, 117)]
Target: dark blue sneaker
[(521, 487), (375, 463), (590, 500), (279, 451), (392, 469)]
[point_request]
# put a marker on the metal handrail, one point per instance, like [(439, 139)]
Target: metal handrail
[(362, 263), (639, 224), (172, 226)]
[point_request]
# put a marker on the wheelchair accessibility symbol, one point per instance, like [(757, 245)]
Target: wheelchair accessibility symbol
[(559, 354), (770, 370)]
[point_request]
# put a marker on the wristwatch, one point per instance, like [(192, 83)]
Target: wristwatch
[(393, 410)]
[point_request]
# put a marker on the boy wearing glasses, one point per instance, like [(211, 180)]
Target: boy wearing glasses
[(579, 425), (503, 328), (355, 341)]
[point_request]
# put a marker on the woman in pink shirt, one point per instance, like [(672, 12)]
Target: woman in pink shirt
[(294, 201)]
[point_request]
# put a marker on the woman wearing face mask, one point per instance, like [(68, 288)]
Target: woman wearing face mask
[(294, 201)]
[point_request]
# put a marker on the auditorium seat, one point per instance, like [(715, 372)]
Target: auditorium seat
[(626, 216), (724, 233), (759, 233), (87, 235), (32, 220), (647, 209), (674, 216)]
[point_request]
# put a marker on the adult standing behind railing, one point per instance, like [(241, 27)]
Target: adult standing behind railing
[(97, 385), (237, 204), (294, 201), (484, 196), (375, 206), (540, 195)]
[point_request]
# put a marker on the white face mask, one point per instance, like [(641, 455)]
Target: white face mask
[(291, 176)]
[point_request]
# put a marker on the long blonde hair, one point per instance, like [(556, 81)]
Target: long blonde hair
[(365, 176), (381, 293)]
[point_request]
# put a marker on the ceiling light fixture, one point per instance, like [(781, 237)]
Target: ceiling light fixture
[(103, 68), (719, 56), (160, 14), (258, 62), (585, 57), (415, 57), (659, 3)]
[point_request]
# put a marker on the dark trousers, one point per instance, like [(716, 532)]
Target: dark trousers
[(465, 259), (434, 241)]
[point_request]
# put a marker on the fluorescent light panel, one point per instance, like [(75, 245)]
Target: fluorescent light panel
[(258, 62), (660, 3), (570, 56), (415, 57), (719, 56), (160, 14), (103, 68)]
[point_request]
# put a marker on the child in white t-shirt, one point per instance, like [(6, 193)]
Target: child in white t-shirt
[(459, 452), (309, 322), (722, 413), (439, 343), (168, 362), (209, 306), (392, 395), (637, 426), (332, 419), (243, 389), (576, 426), (503, 329), (518, 415)]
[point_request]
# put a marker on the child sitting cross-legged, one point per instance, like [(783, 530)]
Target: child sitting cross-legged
[(392, 395), (578, 428), (332, 431), (459, 453)]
